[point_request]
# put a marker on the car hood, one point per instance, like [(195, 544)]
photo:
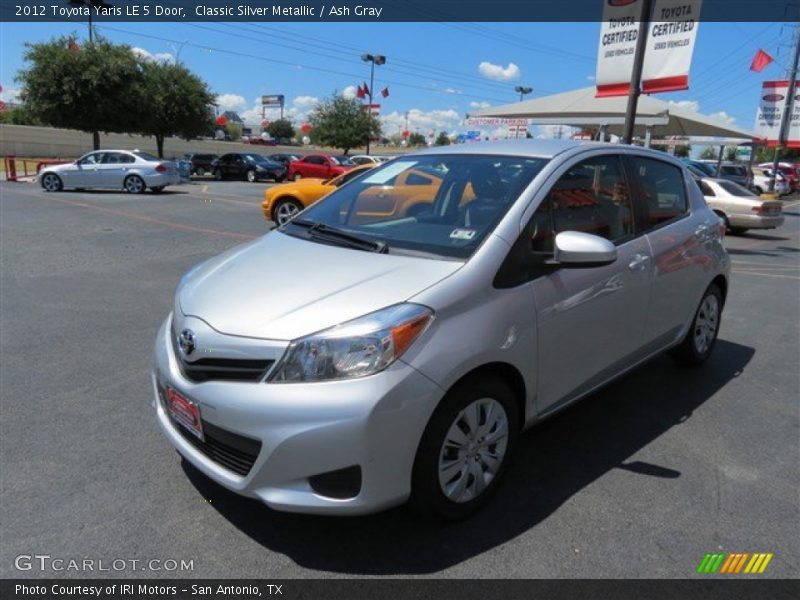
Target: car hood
[(282, 288)]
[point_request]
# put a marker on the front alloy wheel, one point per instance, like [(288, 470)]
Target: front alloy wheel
[(52, 182), (465, 448), (285, 210), (251, 176)]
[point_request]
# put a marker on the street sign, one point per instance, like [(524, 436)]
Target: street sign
[(273, 100)]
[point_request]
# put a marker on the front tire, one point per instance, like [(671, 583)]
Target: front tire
[(52, 182), (297, 177), (217, 174), (157, 189), (250, 176), (285, 210), (134, 184), (200, 171), (699, 342), (738, 230), (465, 449)]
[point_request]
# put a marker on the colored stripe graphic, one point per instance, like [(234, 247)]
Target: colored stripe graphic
[(723, 563)]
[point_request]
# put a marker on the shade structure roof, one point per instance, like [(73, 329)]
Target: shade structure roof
[(580, 108)]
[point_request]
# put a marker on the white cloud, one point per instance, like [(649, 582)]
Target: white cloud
[(231, 102), (157, 57), (498, 72), (450, 90), (689, 104), (425, 121), (349, 91), (305, 102), (724, 117), (10, 95), (555, 132), (479, 105)]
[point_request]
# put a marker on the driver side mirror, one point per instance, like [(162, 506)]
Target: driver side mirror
[(579, 249)]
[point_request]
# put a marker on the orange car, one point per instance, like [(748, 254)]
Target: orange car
[(282, 202)]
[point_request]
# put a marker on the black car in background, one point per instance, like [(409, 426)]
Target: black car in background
[(248, 166), (201, 163), (284, 159)]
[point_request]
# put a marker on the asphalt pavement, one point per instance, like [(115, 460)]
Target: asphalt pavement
[(639, 480)]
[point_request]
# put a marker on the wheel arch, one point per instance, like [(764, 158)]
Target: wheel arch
[(506, 372), (722, 283)]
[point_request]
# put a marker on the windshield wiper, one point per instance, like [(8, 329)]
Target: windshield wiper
[(332, 234)]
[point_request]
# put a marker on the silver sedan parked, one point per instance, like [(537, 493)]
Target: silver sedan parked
[(740, 208), (134, 171), (383, 346)]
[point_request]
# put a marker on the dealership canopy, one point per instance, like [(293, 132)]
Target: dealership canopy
[(580, 108)]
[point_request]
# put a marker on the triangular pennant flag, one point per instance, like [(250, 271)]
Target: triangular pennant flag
[(760, 60)]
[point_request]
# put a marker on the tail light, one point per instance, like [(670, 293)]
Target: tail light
[(161, 168), (764, 209)]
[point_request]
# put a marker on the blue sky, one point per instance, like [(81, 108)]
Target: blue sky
[(434, 70)]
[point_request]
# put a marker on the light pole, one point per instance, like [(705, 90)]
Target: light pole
[(373, 59), (522, 90)]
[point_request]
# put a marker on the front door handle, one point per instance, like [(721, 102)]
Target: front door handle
[(638, 262)]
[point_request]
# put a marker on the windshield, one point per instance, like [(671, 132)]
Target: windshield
[(343, 160), (256, 158), (439, 205)]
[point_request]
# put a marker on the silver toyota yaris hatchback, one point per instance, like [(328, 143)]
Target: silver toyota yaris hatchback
[(394, 339)]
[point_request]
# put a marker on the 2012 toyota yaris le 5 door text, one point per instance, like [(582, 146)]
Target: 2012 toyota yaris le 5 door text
[(374, 349)]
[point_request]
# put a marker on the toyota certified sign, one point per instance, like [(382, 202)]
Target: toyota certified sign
[(770, 113)]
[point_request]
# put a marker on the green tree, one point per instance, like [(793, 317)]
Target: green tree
[(683, 151), (710, 152), (442, 139), (86, 88), (173, 101), (416, 139), (233, 130), (730, 154), (341, 122), (281, 130), (18, 115)]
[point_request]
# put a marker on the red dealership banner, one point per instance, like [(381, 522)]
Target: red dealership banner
[(670, 44)]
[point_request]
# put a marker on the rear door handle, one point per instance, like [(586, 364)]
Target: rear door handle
[(638, 262)]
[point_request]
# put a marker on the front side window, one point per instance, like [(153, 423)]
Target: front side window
[(593, 196), (449, 218), (92, 159), (663, 190)]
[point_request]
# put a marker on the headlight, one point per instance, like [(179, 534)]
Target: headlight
[(356, 348)]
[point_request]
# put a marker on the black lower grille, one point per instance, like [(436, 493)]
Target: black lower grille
[(227, 369), (230, 450)]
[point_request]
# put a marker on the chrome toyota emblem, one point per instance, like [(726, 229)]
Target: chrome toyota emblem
[(186, 342)]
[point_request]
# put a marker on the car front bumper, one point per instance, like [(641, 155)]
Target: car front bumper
[(304, 430)]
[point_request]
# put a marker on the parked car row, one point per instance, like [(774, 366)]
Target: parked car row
[(738, 207), (756, 178)]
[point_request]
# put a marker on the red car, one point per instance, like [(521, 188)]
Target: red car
[(323, 166), (788, 171)]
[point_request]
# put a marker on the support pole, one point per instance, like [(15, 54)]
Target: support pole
[(719, 158), (648, 134), (788, 109), (636, 73)]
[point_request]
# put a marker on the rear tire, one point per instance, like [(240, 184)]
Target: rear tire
[(699, 342), (465, 449), (134, 184), (297, 177), (738, 230), (217, 174), (200, 171), (250, 176), (52, 182), (158, 189)]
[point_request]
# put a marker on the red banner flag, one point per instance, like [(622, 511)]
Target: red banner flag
[(760, 60), (367, 91), (73, 45), (385, 92), (360, 92)]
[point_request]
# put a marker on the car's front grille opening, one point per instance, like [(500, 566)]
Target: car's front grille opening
[(225, 369), (230, 450), (340, 484)]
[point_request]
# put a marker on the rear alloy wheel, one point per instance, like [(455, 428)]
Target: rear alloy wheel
[(250, 176), (465, 448), (297, 177), (200, 171), (134, 184), (52, 182), (285, 210), (699, 342)]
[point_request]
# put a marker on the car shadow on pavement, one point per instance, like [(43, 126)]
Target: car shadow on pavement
[(554, 461)]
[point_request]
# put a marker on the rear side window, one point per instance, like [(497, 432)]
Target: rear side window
[(663, 190)]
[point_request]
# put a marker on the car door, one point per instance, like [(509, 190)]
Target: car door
[(86, 172), (112, 169), (677, 239), (589, 320)]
